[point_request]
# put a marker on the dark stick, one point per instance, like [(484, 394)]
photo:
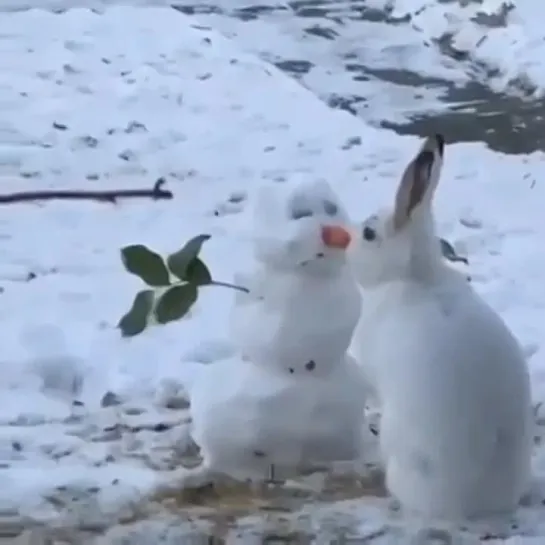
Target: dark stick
[(156, 193)]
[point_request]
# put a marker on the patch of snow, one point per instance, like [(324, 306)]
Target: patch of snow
[(500, 39), (61, 5), (392, 58), (80, 91)]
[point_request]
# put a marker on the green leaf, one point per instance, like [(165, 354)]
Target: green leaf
[(449, 252), (180, 261), (145, 264), (135, 321), (175, 303), (197, 273)]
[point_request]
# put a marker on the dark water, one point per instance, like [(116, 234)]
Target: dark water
[(507, 123)]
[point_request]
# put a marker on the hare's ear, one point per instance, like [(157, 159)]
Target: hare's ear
[(419, 180)]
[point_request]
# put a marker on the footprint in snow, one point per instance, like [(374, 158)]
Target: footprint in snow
[(233, 205)]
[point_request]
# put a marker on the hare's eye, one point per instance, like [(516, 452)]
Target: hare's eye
[(300, 213), (330, 208), (369, 233)]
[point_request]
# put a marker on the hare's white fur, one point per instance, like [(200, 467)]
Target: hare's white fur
[(304, 302), (449, 378)]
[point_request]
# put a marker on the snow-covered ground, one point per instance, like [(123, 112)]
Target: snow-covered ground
[(390, 59), (117, 100)]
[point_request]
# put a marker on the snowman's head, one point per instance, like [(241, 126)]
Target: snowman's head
[(300, 227)]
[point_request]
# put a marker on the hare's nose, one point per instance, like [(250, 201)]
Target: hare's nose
[(335, 236)]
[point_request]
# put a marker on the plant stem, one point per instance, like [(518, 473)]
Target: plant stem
[(228, 285)]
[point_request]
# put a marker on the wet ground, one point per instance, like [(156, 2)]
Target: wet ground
[(316, 507), (511, 123)]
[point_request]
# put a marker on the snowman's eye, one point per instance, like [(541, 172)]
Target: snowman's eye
[(300, 213), (330, 208), (369, 233)]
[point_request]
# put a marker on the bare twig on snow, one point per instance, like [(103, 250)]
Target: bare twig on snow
[(156, 193)]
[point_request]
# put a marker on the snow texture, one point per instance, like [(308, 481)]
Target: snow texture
[(116, 100), (389, 60)]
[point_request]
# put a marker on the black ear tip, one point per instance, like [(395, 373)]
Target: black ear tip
[(424, 159), (440, 139)]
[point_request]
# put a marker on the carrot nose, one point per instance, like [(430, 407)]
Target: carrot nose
[(335, 236)]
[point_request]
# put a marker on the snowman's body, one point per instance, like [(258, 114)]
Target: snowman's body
[(296, 397), (297, 319), (246, 418)]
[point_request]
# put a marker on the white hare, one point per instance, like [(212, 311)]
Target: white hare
[(449, 377)]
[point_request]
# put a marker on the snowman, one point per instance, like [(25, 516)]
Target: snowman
[(292, 398), (303, 302)]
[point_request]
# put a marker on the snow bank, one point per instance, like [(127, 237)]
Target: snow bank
[(391, 60), (501, 42)]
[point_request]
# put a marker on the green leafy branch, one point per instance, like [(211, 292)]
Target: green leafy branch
[(173, 283)]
